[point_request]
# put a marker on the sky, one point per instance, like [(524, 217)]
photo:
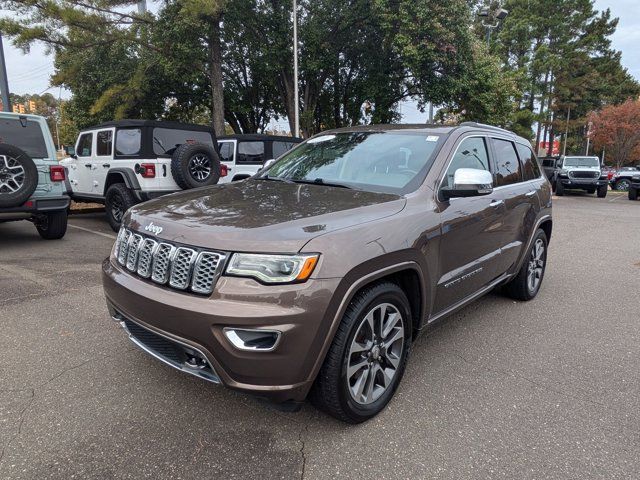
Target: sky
[(30, 73)]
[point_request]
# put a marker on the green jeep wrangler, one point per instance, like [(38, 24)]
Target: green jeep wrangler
[(32, 182)]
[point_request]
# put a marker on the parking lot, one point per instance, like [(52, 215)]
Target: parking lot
[(546, 389)]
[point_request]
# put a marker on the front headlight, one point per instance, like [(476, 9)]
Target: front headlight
[(272, 268), (563, 173)]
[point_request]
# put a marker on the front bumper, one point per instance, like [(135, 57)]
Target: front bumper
[(301, 312), (582, 183)]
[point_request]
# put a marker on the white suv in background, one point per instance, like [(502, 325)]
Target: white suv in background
[(126, 162)]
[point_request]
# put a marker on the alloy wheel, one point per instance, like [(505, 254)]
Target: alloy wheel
[(12, 175), (536, 265), (623, 185), (200, 167), (375, 353)]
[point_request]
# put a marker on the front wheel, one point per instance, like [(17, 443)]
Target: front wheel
[(602, 191), (117, 201), (367, 358), (559, 188), (526, 284), (622, 185), (633, 194), (52, 225)]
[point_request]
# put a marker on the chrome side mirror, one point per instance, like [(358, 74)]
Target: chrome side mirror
[(267, 164), (469, 182)]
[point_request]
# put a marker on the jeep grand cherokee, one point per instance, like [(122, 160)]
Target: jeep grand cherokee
[(315, 276)]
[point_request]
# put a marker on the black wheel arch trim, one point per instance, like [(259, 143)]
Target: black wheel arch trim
[(523, 253), (127, 174)]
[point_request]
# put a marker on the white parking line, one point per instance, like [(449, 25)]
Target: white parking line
[(615, 198), (107, 235)]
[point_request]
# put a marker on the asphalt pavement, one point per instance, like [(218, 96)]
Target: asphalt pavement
[(546, 389)]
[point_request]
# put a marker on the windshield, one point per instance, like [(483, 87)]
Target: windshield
[(28, 138), (581, 162), (390, 162)]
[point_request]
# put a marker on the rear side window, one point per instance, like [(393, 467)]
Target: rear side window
[(28, 138), (226, 151), (166, 140), (280, 148), (548, 162), (104, 143), (507, 164), (128, 141), (251, 152), (84, 145), (472, 153), (529, 162)]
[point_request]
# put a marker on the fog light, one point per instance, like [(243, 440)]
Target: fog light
[(253, 340)]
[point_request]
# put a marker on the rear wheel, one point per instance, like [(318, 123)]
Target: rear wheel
[(602, 191), (117, 201), (367, 358), (52, 225), (633, 193), (559, 188), (526, 285)]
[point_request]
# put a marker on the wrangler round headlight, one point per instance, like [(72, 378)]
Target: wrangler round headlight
[(272, 268)]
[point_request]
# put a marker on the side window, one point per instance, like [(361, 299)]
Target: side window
[(84, 145), (128, 141), (226, 151), (507, 164), (529, 162), (280, 148), (104, 143), (251, 152), (471, 153)]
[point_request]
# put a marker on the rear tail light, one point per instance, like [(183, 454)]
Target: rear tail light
[(148, 170), (56, 173), (224, 170)]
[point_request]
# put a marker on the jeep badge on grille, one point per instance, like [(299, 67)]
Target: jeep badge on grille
[(155, 229)]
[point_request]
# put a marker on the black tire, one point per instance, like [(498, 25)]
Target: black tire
[(117, 201), (591, 190), (602, 191), (195, 165), (519, 288), (633, 193), (52, 225), (559, 188), (330, 392), (18, 176), (622, 185)]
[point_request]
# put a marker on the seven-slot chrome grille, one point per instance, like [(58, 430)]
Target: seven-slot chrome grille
[(182, 268)]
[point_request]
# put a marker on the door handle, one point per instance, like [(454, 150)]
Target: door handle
[(496, 203), (106, 165), (530, 194), (88, 165)]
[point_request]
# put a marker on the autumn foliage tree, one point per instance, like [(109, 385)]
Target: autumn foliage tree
[(616, 129)]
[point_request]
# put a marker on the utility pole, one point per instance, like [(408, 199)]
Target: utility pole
[(296, 100), (566, 133), (142, 7), (430, 112), (4, 83)]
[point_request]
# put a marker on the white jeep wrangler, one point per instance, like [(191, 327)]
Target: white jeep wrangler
[(125, 162)]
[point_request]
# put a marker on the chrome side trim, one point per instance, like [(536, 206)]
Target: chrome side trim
[(469, 299)]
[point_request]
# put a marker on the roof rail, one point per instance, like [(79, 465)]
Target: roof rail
[(484, 125)]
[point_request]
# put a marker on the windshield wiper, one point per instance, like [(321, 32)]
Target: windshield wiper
[(320, 181), (274, 179)]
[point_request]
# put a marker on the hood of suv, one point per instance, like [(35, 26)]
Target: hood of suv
[(258, 216)]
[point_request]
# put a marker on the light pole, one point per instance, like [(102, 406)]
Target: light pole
[(4, 83), (296, 100), (486, 15)]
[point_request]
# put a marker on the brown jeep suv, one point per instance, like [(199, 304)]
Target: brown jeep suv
[(314, 277)]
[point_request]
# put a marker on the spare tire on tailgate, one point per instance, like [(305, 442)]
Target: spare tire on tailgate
[(195, 165), (18, 176)]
